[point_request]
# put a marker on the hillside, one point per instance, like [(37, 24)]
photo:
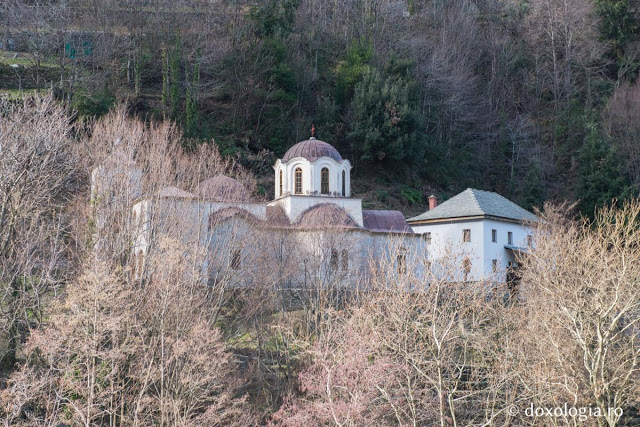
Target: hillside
[(533, 100)]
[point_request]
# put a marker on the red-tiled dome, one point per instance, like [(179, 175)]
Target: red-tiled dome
[(326, 215), (223, 189), (312, 149)]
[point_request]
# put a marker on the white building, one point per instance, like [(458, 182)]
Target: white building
[(312, 230), (315, 232), (483, 230)]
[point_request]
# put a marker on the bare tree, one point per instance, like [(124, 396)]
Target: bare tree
[(581, 311), (39, 174)]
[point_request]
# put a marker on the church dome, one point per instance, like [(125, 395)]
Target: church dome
[(326, 215), (223, 189), (312, 149)]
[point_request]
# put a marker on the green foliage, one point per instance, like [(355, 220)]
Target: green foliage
[(533, 188), (600, 177), (92, 104), (175, 77), (618, 23), (191, 107), (382, 195), (274, 17), (411, 195), (387, 123), (351, 69)]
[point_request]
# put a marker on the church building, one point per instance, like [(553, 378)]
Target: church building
[(314, 231)]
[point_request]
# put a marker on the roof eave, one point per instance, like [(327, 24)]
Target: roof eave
[(418, 221)]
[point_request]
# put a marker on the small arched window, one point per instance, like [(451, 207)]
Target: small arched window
[(298, 181), (344, 183), (324, 181), (333, 262), (401, 263), (280, 184)]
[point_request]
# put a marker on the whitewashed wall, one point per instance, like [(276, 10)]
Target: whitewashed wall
[(311, 181), (447, 242)]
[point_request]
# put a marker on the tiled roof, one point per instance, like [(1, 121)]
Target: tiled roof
[(326, 215), (277, 217), (472, 202), (386, 221), (223, 189), (174, 192), (312, 149), (226, 213)]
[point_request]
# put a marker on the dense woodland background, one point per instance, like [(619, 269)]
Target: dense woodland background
[(536, 100), (533, 99)]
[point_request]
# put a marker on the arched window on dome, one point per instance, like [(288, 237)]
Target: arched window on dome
[(298, 181), (344, 183), (324, 181), (280, 184)]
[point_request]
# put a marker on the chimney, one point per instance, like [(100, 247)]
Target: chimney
[(433, 202)]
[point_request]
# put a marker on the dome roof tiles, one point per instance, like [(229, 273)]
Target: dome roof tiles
[(312, 149), (224, 189), (326, 215)]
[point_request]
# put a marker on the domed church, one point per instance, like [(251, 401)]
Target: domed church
[(312, 173), (314, 230)]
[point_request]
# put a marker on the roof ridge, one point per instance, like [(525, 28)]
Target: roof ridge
[(475, 198)]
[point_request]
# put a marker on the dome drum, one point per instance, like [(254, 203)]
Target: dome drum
[(312, 168)]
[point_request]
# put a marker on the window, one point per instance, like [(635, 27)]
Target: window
[(466, 266), (345, 260), (510, 238), (466, 235), (280, 184), (235, 259), (324, 181), (529, 240), (402, 264), (333, 263), (344, 184), (427, 237), (494, 265), (494, 236), (298, 180)]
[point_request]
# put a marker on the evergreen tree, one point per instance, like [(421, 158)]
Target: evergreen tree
[(387, 124), (618, 23), (533, 187), (600, 178), (351, 69)]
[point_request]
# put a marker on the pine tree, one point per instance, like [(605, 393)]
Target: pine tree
[(386, 119), (600, 178)]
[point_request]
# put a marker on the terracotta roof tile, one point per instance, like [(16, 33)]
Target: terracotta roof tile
[(385, 221), (223, 188), (326, 215)]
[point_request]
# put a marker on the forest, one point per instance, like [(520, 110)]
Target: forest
[(94, 334), (535, 100)]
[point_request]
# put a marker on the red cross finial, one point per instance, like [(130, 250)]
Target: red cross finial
[(313, 130)]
